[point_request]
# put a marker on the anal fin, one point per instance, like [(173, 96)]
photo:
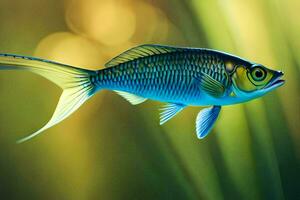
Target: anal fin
[(132, 98), (169, 111)]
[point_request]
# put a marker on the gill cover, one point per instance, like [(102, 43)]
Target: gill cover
[(249, 79)]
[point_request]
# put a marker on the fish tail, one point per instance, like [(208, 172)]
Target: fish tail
[(75, 82)]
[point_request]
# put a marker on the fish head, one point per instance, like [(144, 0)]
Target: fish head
[(254, 80)]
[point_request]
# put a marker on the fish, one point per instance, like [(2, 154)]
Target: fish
[(176, 76)]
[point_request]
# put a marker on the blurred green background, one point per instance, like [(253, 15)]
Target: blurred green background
[(111, 150)]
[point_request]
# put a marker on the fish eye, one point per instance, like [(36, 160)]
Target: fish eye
[(258, 73)]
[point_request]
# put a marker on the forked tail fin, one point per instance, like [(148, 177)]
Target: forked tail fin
[(75, 82)]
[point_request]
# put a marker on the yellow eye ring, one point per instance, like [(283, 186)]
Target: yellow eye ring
[(258, 73)]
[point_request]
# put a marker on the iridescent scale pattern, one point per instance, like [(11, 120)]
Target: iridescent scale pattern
[(167, 77)]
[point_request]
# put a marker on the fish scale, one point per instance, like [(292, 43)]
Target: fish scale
[(175, 71)]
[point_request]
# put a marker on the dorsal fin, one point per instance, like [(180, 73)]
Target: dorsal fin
[(140, 52)]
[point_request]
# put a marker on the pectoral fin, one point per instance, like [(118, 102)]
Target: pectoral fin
[(210, 85), (132, 98), (206, 119), (169, 111)]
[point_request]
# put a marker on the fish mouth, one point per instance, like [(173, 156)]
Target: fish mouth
[(276, 81)]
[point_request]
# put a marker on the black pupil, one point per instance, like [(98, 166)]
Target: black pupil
[(258, 73)]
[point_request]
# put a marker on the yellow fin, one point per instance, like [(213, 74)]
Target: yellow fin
[(211, 86), (75, 82), (140, 52), (132, 98)]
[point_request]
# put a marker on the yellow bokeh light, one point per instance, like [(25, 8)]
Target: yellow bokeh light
[(107, 22), (156, 27), (70, 49)]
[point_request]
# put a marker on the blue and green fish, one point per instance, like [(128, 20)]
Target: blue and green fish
[(177, 76)]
